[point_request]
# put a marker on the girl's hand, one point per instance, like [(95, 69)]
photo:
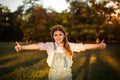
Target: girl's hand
[(18, 47), (102, 44)]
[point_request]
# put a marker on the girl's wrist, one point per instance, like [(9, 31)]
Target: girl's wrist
[(21, 47), (98, 46)]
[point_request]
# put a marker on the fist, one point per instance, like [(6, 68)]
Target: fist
[(102, 44), (18, 47)]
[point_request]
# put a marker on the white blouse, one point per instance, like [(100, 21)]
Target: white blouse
[(49, 47)]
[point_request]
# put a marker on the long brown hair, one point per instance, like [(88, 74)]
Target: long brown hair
[(66, 46)]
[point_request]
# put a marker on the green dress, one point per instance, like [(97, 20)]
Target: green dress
[(60, 68)]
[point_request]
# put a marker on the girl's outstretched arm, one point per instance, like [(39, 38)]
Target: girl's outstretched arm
[(18, 47), (94, 46)]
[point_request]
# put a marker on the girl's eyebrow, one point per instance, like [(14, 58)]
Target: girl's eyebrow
[(60, 34), (55, 34)]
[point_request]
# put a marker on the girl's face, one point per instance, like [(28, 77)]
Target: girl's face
[(58, 36)]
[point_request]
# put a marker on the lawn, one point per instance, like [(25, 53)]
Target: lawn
[(31, 65)]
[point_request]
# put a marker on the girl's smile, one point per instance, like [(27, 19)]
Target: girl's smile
[(58, 36)]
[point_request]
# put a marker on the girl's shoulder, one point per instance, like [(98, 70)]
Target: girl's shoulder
[(70, 43), (48, 43)]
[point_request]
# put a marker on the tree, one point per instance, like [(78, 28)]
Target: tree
[(9, 30)]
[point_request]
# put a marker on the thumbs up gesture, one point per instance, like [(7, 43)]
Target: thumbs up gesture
[(102, 44), (18, 47)]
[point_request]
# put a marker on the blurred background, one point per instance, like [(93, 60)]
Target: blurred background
[(83, 20)]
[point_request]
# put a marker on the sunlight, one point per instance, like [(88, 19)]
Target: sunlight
[(108, 59), (82, 60), (117, 11), (40, 73), (111, 61), (57, 5), (93, 59)]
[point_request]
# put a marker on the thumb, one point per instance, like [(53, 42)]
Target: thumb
[(102, 41), (17, 43)]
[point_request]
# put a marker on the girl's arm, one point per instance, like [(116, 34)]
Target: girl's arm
[(18, 47), (94, 46)]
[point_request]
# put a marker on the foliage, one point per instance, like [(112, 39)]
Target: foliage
[(85, 21), (9, 25)]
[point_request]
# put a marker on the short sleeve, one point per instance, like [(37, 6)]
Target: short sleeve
[(77, 47), (42, 46), (46, 46)]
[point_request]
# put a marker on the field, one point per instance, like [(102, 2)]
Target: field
[(31, 65)]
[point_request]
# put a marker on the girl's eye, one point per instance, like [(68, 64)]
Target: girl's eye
[(60, 34), (55, 35)]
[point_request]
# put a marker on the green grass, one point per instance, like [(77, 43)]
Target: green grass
[(31, 65)]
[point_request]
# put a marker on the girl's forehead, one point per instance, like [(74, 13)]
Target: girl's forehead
[(58, 32)]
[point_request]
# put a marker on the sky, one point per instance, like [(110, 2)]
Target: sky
[(58, 5)]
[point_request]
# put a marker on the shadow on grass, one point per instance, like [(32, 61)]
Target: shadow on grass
[(10, 59), (7, 70), (84, 66), (28, 63), (6, 48), (98, 70), (101, 70)]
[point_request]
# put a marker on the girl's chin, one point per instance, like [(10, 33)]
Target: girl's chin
[(59, 42)]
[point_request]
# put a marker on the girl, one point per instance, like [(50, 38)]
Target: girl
[(60, 53)]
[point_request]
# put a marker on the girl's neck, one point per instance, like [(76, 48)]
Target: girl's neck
[(60, 44)]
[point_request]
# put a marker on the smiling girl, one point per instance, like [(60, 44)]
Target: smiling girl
[(60, 53)]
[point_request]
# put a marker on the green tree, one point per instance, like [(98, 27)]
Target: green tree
[(9, 30)]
